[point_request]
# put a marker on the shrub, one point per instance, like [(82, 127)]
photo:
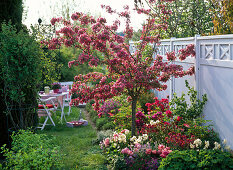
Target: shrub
[(108, 125), (109, 108), (101, 122), (19, 76), (93, 115), (32, 151), (173, 130), (123, 119), (193, 159), (180, 107)]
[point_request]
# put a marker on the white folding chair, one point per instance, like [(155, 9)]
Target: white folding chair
[(44, 110), (67, 98), (66, 102)]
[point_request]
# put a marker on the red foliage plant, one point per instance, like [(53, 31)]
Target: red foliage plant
[(130, 73)]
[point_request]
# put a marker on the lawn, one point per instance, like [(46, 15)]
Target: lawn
[(77, 144)]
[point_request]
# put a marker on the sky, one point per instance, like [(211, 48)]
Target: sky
[(46, 9)]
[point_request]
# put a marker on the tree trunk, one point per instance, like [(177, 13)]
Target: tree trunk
[(134, 104)]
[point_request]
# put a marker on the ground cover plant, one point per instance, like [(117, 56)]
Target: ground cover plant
[(32, 151), (127, 73), (200, 156)]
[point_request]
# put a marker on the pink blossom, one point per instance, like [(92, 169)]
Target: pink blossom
[(186, 125), (154, 152), (106, 142), (127, 151), (148, 151), (179, 118), (161, 147)]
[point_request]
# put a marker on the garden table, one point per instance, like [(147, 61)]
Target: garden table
[(59, 97)]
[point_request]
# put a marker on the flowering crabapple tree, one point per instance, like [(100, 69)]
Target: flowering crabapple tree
[(129, 73)]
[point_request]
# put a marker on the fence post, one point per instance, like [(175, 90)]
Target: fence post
[(172, 81), (197, 65)]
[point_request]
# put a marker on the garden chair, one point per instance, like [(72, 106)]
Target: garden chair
[(45, 110), (67, 99), (66, 102)]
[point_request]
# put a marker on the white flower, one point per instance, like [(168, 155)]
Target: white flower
[(157, 121), (126, 131), (122, 138), (145, 137), (197, 142), (207, 144), (192, 146), (115, 144), (133, 138), (152, 122), (139, 140), (217, 145)]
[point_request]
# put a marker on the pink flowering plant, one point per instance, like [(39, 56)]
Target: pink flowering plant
[(133, 152), (163, 126), (109, 108), (130, 73)]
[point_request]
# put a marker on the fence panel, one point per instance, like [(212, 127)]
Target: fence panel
[(216, 80), (213, 76)]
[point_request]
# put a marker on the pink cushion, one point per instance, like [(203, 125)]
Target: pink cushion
[(40, 106)]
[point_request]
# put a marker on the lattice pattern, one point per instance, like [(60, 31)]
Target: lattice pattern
[(166, 49), (209, 51), (159, 50), (224, 51), (177, 48)]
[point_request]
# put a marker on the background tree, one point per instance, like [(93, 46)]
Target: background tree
[(184, 18), (20, 74), (11, 10), (223, 16), (127, 73)]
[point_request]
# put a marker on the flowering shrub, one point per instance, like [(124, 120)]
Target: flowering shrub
[(163, 126), (133, 152), (109, 108)]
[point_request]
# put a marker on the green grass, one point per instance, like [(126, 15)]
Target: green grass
[(76, 143)]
